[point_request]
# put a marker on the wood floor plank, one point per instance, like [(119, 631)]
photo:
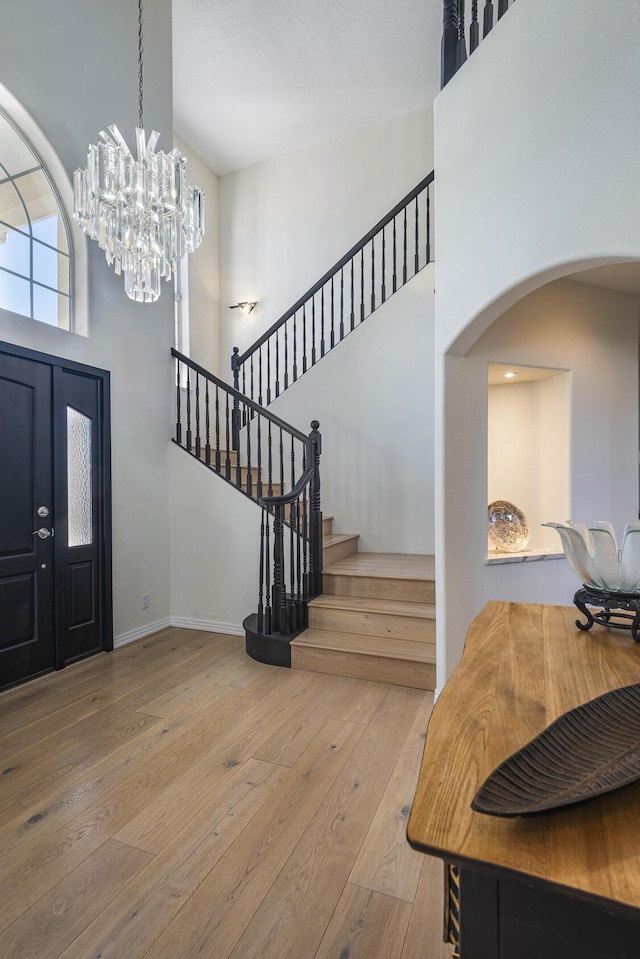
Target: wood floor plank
[(386, 863), (130, 924), (52, 923), (52, 856), (363, 701), (159, 820), (424, 935), (365, 925), (214, 918), (294, 915)]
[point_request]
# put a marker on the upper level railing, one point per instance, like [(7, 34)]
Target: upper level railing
[(454, 36), (389, 255)]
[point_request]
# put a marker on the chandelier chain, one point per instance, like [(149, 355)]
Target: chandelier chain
[(140, 81)]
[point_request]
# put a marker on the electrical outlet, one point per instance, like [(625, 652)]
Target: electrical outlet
[(145, 601)]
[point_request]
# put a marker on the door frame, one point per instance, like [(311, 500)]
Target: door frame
[(58, 366)]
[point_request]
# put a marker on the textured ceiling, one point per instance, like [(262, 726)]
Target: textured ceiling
[(257, 78)]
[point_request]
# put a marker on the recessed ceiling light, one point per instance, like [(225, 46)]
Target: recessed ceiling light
[(510, 376)]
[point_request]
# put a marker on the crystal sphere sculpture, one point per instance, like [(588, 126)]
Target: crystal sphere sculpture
[(507, 526)]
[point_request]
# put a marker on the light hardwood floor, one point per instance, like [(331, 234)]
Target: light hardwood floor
[(175, 799)]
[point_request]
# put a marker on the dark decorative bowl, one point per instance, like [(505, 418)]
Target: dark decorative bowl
[(587, 751)]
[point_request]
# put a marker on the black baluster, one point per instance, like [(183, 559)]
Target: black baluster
[(461, 47), (235, 368), (249, 477), (281, 450), (295, 349), (189, 409), (313, 329), (404, 246), (198, 447), (353, 300), (449, 48), (261, 581), (278, 595), (502, 7), (373, 274), (341, 303), (291, 609), (267, 570), (227, 462), (207, 438), (217, 459), (299, 608), (277, 364), (306, 577), (269, 461), (268, 372), (417, 249), (235, 416), (260, 375), (259, 442), (315, 532), (488, 18), (383, 294), (428, 223), (251, 377), (304, 337), (333, 329), (178, 405), (395, 253), (362, 284), (244, 383), (322, 322), (236, 404), (474, 29), (286, 357)]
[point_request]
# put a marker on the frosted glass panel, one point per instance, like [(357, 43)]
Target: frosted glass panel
[(79, 479)]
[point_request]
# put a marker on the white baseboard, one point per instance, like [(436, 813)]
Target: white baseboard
[(129, 637), (205, 625), (232, 629)]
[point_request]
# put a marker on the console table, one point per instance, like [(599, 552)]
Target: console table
[(560, 885)]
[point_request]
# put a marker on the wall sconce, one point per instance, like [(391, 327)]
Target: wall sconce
[(246, 307)]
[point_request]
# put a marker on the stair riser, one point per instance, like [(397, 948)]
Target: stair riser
[(327, 526), (417, 630), (377, 669), (331, 554), (377, 587)]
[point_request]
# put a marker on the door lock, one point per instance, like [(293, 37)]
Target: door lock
[(42, 533), (42, 512)]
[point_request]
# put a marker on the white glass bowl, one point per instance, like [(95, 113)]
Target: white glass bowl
[(593, 554)]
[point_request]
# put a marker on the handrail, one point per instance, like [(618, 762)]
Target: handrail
[(291, 497), (342, 262), (240, 397)]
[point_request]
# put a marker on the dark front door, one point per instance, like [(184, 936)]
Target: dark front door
[(55, 592)]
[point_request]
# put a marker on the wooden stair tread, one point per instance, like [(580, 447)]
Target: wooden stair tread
[(331, 539), (412, 566), (393, 607), (399, 649)]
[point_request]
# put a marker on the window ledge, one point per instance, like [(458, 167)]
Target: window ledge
[(496, 557)]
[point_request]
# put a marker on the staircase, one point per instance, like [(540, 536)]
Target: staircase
[(375, 619), (322, 605)]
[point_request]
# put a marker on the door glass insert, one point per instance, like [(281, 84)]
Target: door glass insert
[(79, 479)]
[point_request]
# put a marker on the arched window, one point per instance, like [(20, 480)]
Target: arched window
[(36, 266)]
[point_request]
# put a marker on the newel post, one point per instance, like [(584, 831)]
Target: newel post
[(315, 531), (235, 415), (449, 49)]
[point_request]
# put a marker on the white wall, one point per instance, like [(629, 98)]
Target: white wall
[(284, 223), (73, 66), (528, 452), (537, 152), (591, 332), (204, 277)]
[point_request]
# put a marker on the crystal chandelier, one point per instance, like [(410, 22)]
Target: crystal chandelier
[(142, 211)]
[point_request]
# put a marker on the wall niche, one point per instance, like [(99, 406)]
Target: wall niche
[(529, 451)]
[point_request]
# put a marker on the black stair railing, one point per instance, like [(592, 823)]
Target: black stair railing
[(273, 464), (389, 255), (454, 40)]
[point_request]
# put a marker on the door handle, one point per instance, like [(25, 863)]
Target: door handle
[(42, 533)]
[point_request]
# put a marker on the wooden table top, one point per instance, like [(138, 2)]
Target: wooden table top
[(523, 666)]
